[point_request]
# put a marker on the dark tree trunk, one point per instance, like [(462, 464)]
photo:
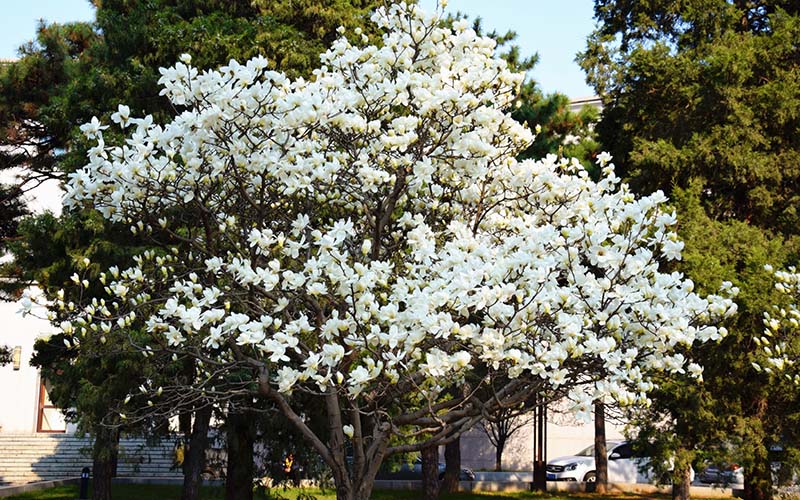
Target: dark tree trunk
[(758, 480), (452, 466), (498, 454), (344, 489), (185, 425), (539, 445), (430, 473), (104, 455), (101, 482), (115, 453), (600, 452), (240, 437), (185, 428), (196, 455), (680, 488)]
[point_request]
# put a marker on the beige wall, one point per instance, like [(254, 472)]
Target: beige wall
[(565, 436), (19, 389)]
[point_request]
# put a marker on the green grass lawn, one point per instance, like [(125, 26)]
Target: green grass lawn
[(173, 492)]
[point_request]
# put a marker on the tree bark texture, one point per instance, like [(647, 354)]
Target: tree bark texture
[(600, 451), (103, 461), (196, 455), (185, 425), (680, 488), (430, 473), (101, 482), (452, 466), (240, 440)]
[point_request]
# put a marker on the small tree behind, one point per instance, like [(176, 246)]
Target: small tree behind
[(501, 426)]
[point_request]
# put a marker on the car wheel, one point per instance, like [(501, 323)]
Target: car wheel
[(590, 477)]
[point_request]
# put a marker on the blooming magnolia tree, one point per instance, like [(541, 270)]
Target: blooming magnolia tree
[(367, 237), (780, 345)]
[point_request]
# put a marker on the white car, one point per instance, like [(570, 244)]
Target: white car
[(623, 467)]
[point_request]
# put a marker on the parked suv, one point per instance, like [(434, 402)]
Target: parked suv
[(623, 467)]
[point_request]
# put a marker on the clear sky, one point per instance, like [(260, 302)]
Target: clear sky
[(557, 30), (19, 18)]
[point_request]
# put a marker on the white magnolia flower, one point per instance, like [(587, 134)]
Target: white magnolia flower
[(370, 228)]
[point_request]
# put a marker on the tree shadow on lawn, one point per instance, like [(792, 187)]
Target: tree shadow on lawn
[(58, 493), (173, 492), (122, 492)]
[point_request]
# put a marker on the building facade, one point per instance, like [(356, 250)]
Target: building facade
[(28, 409)]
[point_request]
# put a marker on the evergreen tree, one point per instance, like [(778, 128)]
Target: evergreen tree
[(704, 89), (12, 209), (702, 101)]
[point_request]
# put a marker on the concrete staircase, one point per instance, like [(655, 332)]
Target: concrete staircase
[(39, 457)]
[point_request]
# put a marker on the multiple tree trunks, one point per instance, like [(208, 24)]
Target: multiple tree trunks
[(365, 461)]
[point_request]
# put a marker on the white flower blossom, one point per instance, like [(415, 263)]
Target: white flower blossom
[(370, 228)]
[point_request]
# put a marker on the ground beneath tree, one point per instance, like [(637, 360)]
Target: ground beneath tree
[(172, 492)]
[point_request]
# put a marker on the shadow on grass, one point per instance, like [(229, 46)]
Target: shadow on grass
[(173, 492), (58, 493)]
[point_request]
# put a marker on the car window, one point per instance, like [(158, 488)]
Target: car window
[(624, 451), (586, 452)]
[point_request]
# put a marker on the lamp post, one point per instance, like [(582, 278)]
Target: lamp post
[(539, 446)]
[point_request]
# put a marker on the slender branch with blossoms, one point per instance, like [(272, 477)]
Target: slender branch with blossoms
[(779, 346), (367, 237)]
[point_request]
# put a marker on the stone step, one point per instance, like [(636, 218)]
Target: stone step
[(27, 458)]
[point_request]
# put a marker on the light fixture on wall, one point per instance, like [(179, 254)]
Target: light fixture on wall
[(16, 356)]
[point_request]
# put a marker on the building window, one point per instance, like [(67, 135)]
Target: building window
[(50, 418)]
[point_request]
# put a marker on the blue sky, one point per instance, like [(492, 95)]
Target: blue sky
[(557, 30), (19, 19)]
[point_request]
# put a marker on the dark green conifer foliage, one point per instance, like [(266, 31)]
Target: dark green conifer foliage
[(702, 101)]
